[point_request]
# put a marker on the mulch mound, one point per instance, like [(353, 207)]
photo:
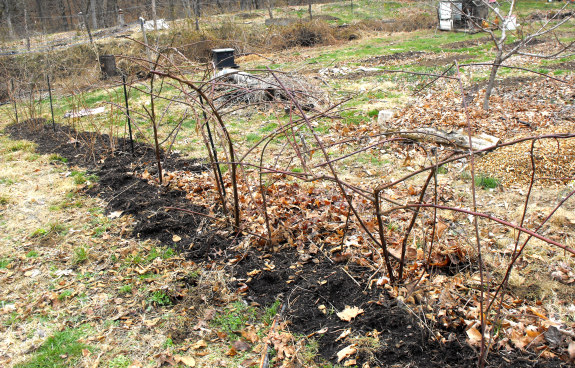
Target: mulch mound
[(303, 283)]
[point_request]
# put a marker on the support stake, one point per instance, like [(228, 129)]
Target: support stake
[(215, 153), (51, 105), (14, 100), (128, 112)]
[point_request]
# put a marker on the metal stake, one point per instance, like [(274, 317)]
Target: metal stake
[(51, 106), (14, 100), (128, 112), (215, 153)]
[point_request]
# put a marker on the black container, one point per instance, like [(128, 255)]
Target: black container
[(108, 66), (224, 58)]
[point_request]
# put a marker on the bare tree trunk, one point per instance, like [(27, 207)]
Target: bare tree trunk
[(492, 76), (41, 14), (309, 9), (93, 14), (154, 15), (270, 9), (197, 13), (65, 21), (8, 17), (26, 29), (104, 14), (187, 7)]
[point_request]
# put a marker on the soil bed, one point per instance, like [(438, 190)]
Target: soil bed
[(304, 282)]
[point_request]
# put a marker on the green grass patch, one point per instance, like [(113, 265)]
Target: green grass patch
[(4, 262), (82, 177), (160, 298), (7, 181), (32, 254), (21, 146), (60, 350), (126, 289), (57, 157), (234, 318), (121, 361), (80, 255), (4, 200), (270, 313), (253, 137), (486, 182)]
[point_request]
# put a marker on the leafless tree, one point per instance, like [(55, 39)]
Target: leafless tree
[(503, 25)]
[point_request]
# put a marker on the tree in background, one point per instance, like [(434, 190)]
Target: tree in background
[(502, 26)]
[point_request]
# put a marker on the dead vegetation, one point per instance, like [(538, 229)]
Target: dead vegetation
[(356, 233)]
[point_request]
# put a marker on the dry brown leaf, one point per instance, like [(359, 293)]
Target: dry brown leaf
[(199, 345), (349, 313), (187, 360), (571, 350), (474, 336), (344, 334), (176, 238), (346, 352), (241, 345)]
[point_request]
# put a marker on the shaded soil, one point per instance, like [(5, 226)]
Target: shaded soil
[(444, 61), (304, 282), (467, 43), (383, 59)]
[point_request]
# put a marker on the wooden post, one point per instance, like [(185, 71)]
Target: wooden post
[(148, 54), (51, 105), (121, 21), (128, 112)]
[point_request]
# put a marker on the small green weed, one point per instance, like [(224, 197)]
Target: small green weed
[(6, 181), (82, 178), (234, 318), (253, 137), (4, 200), (169, 343), (121, 361), (442, 169), (39, 233), (126, 289), (57, 157), (13, 319), (32, 157), (162, 252), (65, 294), (80, 255), (160, 297), (4, 262), (373, 113), (269, 127), (32, 254), (270, 313), (486, 182), (55, 228)]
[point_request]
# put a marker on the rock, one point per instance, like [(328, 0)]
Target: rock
[(385, 115)]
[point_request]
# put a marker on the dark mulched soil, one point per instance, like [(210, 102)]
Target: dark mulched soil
[(303, 285)]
